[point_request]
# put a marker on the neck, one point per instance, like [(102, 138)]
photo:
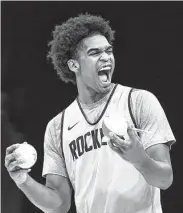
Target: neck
[(87, 95)]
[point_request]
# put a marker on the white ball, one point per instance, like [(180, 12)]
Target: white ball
[(115, 124), (27, 154)]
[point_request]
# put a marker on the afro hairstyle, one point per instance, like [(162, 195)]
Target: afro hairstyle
[(67, 37)]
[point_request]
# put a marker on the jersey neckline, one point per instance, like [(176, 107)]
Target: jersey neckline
[(103, 111)]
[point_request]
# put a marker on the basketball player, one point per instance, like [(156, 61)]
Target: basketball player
[(107, 174)]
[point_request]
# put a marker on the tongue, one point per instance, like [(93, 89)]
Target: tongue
[(103, 77)]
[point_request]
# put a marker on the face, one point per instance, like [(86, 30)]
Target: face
[(96, 64)]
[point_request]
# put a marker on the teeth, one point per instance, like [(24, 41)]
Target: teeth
[(105, 68)]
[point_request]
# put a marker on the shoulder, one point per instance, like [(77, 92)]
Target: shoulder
[(123, 88), (121, 91), (141, 96), (146, 105), (55, 123), (52, 133), (137, 95), (141, 92)]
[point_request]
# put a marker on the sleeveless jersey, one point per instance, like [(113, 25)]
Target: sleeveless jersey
[(102, 181)]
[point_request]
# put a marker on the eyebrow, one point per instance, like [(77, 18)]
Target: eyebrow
[(98, 49)]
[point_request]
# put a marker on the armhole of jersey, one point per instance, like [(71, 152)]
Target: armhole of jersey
[(61, 133), (61, 141), (130, 109)]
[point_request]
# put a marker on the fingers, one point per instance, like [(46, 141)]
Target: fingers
[(14, 166), (12, 162), (110, 143), (133, 135), (8, 159), (11, 148), (105, 139), (117, 141), (113, 147), (11, 155)]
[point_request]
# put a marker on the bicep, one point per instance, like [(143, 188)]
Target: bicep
[(62, 186), (159, 152)]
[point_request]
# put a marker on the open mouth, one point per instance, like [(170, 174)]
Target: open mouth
[(104, 74)]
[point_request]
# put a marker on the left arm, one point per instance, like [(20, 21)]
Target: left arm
[(149, 152), (156, 168), (153, 163)]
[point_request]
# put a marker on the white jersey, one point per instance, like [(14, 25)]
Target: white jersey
[(102, 181)]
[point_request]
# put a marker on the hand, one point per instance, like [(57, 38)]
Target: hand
[(130, 148), (12, 162)]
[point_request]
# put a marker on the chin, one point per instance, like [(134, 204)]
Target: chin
[(105, 88)]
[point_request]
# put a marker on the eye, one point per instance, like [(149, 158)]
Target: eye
[(110, 50), (95, 53)]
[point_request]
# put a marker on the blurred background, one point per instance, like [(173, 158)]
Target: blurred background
[(149, 55)]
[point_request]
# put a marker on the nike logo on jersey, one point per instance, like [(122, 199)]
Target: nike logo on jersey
[(70, 127)]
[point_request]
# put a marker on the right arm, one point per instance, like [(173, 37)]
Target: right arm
[(54, 197)]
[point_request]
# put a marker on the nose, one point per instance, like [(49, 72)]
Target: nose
[(104, 56)]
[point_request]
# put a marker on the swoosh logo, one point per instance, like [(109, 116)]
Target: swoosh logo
[(70, 127)]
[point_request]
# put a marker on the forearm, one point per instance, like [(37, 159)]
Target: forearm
[(41, 196), (156, 173)]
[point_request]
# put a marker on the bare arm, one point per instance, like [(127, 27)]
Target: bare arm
[(156, 166), (54, 197), (50, 198), (62, 186), (153, 163)]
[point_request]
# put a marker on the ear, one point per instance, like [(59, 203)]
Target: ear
[(73, 65)]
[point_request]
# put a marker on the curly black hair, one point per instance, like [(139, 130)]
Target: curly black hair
[(67, 37)]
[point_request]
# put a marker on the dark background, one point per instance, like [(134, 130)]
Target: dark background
[(149, 55)]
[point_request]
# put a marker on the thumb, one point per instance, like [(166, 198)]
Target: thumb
[(26, 170), (132, 134)]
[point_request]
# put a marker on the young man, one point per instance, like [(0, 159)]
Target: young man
[(107, 174)]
